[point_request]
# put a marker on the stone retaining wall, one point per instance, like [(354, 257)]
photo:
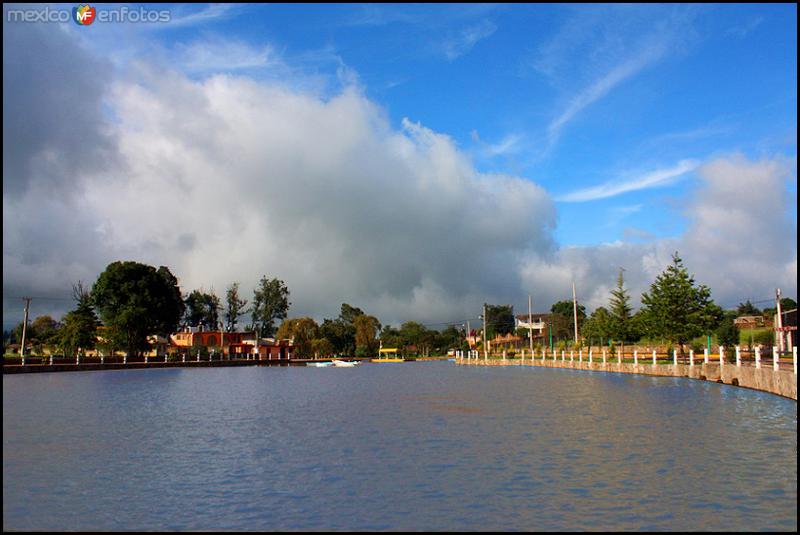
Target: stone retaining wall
[(782, 382)]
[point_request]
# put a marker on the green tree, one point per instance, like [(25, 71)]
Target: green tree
[(677, 310), (79, 330), (449, 338), (563, 319), (135, 300), (391, 338), (367, 329), (236, 307), (321, 347), (341, 332), (303, 332), (499, 319), (620, 327), (202, 309), (413, 334), (787, 303), (348, 313), (270, 303), (728, 333), (598, 327), (748, 309)]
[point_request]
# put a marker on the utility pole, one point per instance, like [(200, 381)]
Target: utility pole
[(485, 337), (779, 322), (575, 312), (530, 323), (25, 325)]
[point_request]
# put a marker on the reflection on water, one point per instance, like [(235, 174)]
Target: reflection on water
[(422, 446)]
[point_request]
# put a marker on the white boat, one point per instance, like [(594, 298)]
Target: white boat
[(319, 364), (344, 364)]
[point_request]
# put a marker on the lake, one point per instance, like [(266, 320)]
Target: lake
[(410, 446)]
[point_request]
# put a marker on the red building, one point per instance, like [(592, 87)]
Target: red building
[(267, 349), (236, 344)]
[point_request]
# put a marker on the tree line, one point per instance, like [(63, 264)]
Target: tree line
[(131, 301), (675, 310)]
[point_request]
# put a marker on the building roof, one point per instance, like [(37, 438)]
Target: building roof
[(524, 317)]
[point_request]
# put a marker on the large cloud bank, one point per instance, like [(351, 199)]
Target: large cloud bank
[(227, 179)]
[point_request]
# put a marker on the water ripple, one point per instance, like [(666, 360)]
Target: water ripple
[(425, 446)]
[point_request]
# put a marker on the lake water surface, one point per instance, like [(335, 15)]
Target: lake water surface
[(412, 446)]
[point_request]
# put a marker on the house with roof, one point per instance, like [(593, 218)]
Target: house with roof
[(539, 324)]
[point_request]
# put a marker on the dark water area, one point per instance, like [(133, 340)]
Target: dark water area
[(411, 446)]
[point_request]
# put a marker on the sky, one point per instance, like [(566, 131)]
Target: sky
[(415, 161)]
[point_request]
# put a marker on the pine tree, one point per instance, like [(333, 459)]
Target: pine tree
[(620, 311), (677, 310)]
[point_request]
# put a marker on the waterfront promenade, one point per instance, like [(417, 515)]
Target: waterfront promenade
[(765, 375)]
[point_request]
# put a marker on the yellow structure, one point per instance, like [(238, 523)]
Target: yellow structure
[(388, 355)]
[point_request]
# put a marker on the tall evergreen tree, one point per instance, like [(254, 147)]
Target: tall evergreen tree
[(620, 312), (677, 310)]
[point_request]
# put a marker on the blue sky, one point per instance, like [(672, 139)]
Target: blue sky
[(570, 96), (413, 160)]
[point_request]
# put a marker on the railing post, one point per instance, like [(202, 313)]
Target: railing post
[(619, 356), (635, 357), (758, 357), (590, 355), (654, 357), (580, 355), (775, 359), (604, 356), (675, 357), (125, 358), (146, 359), (572, 356), (102, 359), (738, 357), (721, 356), (23, 358), (78, 359), (563, 355), (794, 358), (51, 361), (691, 357)]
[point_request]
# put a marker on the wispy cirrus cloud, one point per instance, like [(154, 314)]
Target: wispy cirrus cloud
[(465, 39), (658, 178), (225, 55), (510, 144), (209, 13), (599, 48), (602, 87)]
